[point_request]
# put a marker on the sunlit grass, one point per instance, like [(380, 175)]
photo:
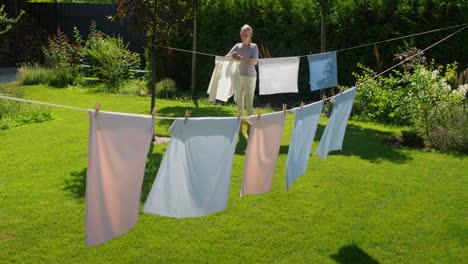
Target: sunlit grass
[(370, 203)]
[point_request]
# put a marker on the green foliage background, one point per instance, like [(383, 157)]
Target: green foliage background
[(292, 27)]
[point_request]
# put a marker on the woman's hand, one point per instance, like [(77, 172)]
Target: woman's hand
[(236, 56)]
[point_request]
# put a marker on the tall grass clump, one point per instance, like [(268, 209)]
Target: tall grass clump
[(15, 113), (33, 74), (57, 77)]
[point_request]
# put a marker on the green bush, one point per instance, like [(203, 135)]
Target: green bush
[(134, 87), (449, 133), (166, 88), (61, 52), (62, 77), (422, 99), (14, 113), (109, 58)]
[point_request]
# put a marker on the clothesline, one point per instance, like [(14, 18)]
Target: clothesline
[(358, 86), (344, 49)]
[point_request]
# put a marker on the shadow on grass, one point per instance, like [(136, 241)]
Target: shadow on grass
[(241, 145), (153, 160), (363, 142), (76, 183), (352, 254)]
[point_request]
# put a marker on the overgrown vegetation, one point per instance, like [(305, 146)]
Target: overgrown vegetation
[(109, 57), (15, 114), (101, 56), (167, 89), (430, 100), (57, 77)]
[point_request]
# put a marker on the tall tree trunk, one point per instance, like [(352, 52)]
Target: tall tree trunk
[(193, 84), (153, 77)]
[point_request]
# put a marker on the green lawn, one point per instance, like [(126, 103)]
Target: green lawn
[(371, 203)]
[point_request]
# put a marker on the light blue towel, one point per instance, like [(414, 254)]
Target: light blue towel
[(194, 176), (323, 72), (302, 138), (332, 138)]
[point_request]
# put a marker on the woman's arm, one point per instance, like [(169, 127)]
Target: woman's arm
[(232, 53), (249, 61)]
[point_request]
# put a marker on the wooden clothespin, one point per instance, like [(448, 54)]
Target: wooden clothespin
[(302, 104), (238, 117), (341, 91), (187, 114), (97, 107), (324, 97), (258, 118), (284, 108)]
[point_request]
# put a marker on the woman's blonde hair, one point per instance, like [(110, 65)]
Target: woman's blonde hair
[(247, 28)]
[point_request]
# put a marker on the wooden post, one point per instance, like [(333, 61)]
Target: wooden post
[(322, 40), (153, 76), (193, 83)]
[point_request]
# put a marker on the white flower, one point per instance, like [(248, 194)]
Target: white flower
[(461, 90), (435, 74)]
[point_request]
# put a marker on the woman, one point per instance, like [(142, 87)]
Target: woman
[(247, 53)]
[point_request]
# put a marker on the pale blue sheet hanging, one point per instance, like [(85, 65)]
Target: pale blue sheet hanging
[(323, 72), (194, 176), (302, 138), (332, 137)]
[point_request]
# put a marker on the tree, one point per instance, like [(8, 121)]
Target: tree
[(154, 22), (7, 23)]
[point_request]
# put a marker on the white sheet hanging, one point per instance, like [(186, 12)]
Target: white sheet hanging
[(194, 176), (332, 137), (302, 138), (224, 80), (278, 75), (118, 147)]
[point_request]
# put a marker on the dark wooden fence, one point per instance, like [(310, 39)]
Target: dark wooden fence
[(69, 15)]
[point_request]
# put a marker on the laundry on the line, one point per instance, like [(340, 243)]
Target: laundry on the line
[(278, 75), (262, 152), (224, 80), (323, 70), (118, 146), (194, 176), (303, 134), (332, 137)]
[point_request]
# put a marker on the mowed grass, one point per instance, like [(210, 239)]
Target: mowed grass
[(370, 203)]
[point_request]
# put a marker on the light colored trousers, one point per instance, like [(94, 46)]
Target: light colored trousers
[(244, 94)]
